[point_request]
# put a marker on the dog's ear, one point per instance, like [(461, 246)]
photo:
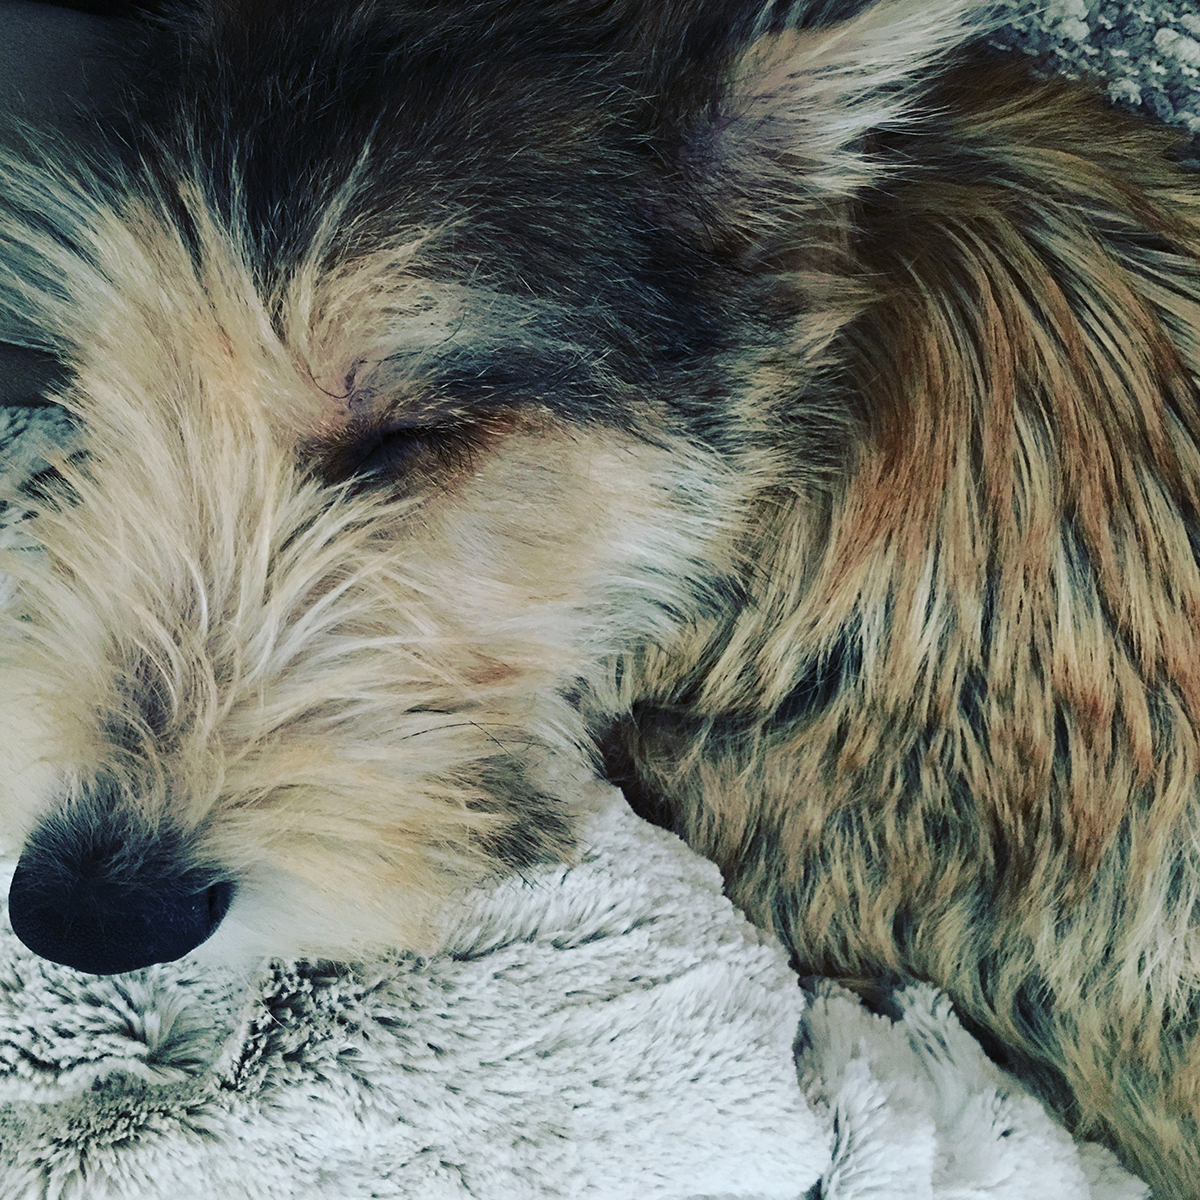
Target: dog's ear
[(792, 123)]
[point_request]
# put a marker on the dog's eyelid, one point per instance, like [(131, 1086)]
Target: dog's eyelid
[(419, 403), (385, 452)]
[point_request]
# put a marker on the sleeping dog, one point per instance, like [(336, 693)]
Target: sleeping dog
[(789, 410)]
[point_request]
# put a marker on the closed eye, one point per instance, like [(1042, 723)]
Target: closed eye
[(389, 451), (385, 456)]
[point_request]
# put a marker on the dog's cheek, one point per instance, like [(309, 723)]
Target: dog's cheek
[(583, 542)]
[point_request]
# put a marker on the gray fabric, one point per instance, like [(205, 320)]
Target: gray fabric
[(53, 63), (1147, 54), (613, 1030)]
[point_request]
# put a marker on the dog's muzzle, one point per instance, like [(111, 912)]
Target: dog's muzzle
[(108, 904)]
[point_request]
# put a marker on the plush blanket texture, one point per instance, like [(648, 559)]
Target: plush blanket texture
[(613, 1030)]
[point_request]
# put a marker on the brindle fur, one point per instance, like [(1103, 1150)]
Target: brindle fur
[(828, 395), (952, 734)]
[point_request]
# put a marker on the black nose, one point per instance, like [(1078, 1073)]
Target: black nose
[(107, 905)]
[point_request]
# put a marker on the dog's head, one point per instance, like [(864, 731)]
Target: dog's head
[(428, 362)]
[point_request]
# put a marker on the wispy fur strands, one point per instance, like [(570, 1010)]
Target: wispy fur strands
[(243, 640), (799, 416)]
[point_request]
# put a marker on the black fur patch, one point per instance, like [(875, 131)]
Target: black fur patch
[(531, 828), (826, 675)]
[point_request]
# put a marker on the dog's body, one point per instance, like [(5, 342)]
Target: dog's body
[(801, 416)]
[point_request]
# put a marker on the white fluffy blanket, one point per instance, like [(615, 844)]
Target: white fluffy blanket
[(614, 1030)]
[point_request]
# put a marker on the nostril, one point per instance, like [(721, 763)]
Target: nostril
[(95, 920)]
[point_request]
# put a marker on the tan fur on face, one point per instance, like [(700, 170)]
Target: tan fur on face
[(322, 687)]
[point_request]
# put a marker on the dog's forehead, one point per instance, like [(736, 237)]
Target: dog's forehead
[(533, 134), (483, 206), (476, 337)]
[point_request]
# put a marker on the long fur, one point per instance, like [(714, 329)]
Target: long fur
[(795, 417)]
